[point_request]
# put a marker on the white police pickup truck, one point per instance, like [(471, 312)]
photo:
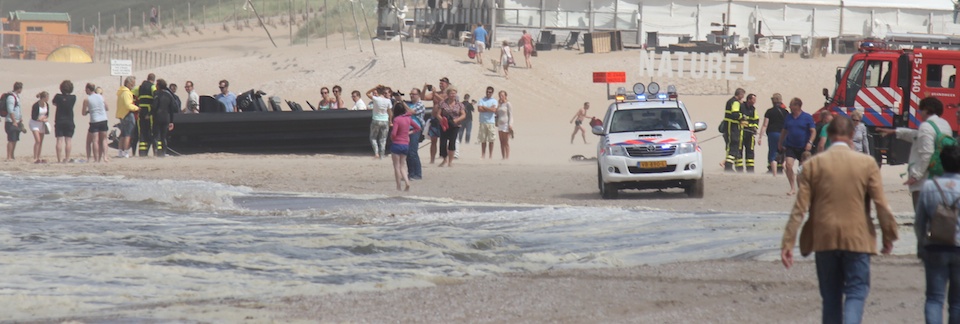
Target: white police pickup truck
[(648, 142)]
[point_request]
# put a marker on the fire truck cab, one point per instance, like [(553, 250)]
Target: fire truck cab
[(887, 84)]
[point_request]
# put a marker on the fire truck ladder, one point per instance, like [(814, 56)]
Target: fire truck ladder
[(922, 40)]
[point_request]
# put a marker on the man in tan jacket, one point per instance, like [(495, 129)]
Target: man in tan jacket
[(835, 187)]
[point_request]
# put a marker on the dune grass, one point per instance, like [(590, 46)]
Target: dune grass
[(175, 13)]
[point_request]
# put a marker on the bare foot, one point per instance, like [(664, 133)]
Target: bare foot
[(722, 165), (407, 188), (791, 192), (442, 164), (376, 156)]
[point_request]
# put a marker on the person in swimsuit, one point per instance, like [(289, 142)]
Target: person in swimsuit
[(325, 101), (38, 120), (578, 122), (337, 102), (526, 43)]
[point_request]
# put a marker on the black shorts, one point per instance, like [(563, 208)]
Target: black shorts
[(99, 127), (13, 132), (64, 130), (793, 152)]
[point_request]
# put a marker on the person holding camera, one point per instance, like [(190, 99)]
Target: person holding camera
[(13, 123), (437, 96)]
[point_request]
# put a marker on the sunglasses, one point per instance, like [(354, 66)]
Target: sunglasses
[(323, 92), (856, 120), (336, 91), (221, 88)]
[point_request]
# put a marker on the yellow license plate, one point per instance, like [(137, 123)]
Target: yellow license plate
[(653, 165)]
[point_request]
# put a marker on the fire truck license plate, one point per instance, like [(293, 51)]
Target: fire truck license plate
[(652, 165)]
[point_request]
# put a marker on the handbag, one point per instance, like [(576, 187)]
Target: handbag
[(444, 124), (46, 128), (943, 223), (510, 61), (472, 52)]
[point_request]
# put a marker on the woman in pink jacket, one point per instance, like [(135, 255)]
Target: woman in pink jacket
[(403, 126)]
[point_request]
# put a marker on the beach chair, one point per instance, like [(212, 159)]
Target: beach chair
[(434, 34), (572, 39)]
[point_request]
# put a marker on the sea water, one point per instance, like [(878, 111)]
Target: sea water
[(74, 246)]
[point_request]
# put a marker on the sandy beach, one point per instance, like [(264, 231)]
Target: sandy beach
[(539, 172)]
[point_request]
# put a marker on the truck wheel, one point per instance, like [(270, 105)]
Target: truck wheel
[(695, 190), (607, 190)]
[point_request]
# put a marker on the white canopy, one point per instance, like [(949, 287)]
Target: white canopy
[(820, 18)]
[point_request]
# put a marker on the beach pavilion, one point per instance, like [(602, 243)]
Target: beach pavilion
[(669, 21)]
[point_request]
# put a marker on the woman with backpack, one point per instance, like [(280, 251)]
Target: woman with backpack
[(38, 124), (937, 244), (924, 142)]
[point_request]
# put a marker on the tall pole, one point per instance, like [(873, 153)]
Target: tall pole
[(290, 13), (261, 22), (355, 24), (326, 32), (306, 9), (343, 33), (366, 25)]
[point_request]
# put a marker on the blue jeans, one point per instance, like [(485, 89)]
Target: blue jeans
[(414, 169), (844, 284), (465, 129), (772, 140), (942, 269)]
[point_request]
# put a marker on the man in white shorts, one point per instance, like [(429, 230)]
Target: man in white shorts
[(487, 107), (480, 38)]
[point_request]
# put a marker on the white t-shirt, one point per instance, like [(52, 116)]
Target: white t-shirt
[(381, 108), (359, 105)]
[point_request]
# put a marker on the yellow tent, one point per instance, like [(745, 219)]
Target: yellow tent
[(70, 54)]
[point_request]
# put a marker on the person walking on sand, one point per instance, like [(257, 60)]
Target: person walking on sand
[(577, 122), (923, 142), (797, 137), (38, 124), (400, 135), (835, 188), (772, 127), (380, 125), (487, 109), (504, 124), (64, 126), (480, 41), (939, 249), (526, 43), (96, 107), (506, 58), (13, 123)]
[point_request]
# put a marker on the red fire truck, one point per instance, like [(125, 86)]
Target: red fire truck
[(886, 82)]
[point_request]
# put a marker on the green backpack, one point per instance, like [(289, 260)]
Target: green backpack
[(939, 141)]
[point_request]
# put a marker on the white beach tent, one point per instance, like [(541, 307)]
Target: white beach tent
[(819, 18)]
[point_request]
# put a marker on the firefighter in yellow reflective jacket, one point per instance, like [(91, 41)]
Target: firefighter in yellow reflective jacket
[(144, 95), (750, 124), (731, 129)]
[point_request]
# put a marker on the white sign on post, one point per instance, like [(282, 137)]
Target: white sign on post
[(121, 67)]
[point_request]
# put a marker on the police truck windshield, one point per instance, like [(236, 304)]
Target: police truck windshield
[(642, 120)]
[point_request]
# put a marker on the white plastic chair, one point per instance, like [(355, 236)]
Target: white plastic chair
[(763, 46)]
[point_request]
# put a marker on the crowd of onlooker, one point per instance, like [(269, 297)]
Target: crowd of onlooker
[(448, 124), (147, 110)]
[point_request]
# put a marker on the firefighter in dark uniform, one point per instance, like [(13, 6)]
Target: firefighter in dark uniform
[(164, 106), (144, 95), (731, 129), (750, 125)]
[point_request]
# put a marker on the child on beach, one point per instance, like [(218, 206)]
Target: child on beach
[(403, 126)]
